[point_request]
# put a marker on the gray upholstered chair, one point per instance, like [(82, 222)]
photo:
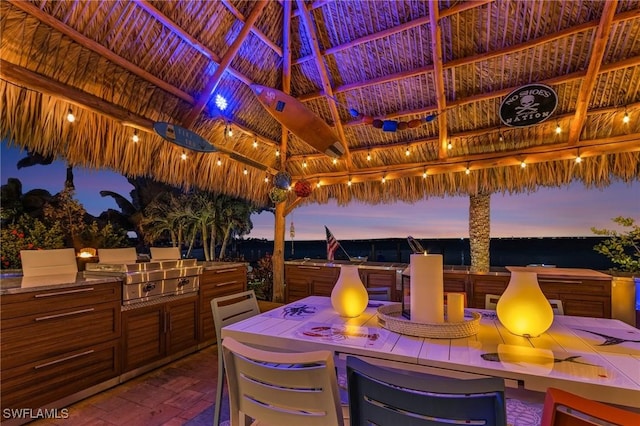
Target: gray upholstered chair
[(389, 397)]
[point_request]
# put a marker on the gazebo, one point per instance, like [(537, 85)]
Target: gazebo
[(416, 98)]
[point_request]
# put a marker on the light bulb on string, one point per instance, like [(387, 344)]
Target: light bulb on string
[(558, 128), (277, 153), (219, 162), (578, 158), (135, 137), (407, 152), (523, 164), (335, 161), (304, 164), (255, 143), (449, 145), (245, 171), (424, 174), (266, 179), (183, 156), (467, 170), (318, 185), (368, 156), (384, 179), (349, 182), (229, 130), (625, 118), (70, 117)]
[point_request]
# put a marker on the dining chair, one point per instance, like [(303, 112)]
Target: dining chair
[(556, 305), (562, 408), (228, 310), (281, 388), (379, 293), (389, 397)]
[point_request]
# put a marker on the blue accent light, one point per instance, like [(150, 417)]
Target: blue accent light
[(221, 103)]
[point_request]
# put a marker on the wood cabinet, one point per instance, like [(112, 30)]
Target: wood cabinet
[(218, 282), (381, 278), (155, 331), (58, 342)]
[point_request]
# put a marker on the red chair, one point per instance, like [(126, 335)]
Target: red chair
[(563, 408)]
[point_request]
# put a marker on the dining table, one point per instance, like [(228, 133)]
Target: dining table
[(596, 358)]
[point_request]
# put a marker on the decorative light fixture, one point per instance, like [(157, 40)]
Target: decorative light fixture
[(245, 171), (349, 297), (349, 181), (335, 161), (424, 174), (523, 164), (183, 156), (219, 162), (467, 170), (304, 164), (523, 309), (368, 155), (578, 158), (221, 102), (558, 128), (229, 130), (318, 185), (500, 136), (449, 145), (277, 153), (70, 117), (625, 118), (384, 179), (255, 143), (135, 137), (407, 152), (266, 179)]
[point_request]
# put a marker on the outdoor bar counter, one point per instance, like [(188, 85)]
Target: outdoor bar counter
[(583, 292)]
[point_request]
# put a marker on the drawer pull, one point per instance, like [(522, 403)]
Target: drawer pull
[(559, 281), (60, 293), (66, 314), (308, 267), (183, 281), (67, 358), (223, 271), (226, 283)]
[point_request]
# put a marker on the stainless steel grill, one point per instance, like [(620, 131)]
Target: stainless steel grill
[(148, 281)]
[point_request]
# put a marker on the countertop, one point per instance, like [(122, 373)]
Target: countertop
[(209, 265), (18, 284)]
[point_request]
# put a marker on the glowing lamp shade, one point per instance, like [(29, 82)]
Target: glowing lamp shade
[(349, 297), (523, 309)]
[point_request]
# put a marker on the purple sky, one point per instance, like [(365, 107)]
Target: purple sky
[(560, 212)]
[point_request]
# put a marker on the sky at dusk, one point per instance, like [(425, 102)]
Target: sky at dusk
[(560, 212)]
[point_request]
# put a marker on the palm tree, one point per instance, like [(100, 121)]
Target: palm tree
[(237, 220)]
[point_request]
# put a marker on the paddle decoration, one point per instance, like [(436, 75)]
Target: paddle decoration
[(185, 138), (299, 119)]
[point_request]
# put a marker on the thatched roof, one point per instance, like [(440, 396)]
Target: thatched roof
[(123, 65)]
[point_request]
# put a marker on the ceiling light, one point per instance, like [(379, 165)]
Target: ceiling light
[(255, 143), (523, 164), (219, 162), (135, 137), (221, 102), (70, 117), (183, 156), (626, 118)]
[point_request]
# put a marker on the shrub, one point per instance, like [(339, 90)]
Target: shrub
[(622, 248), (28, 233)]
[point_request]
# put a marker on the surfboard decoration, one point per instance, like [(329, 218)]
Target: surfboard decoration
[(299, 119), (185, 138)]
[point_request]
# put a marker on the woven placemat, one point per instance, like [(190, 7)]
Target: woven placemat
[(390, 317)]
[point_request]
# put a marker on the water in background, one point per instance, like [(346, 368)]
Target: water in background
[(563, 252)]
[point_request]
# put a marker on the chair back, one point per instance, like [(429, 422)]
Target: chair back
[(389, 397), (230, 309), (165, 253), (491, 301), (277, 388), (562, 408), (36, 263), (379, 293), (556, 305)]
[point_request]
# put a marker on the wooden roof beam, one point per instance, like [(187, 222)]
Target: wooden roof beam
[(224, 64), (438, 77), (424, 20), (96, 47), (598, 47), (23, 77), (240, 17), (631, 14), (539, 154), (164, 20), (326, 84)]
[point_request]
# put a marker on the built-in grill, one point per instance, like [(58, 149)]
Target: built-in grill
[(149, 281)]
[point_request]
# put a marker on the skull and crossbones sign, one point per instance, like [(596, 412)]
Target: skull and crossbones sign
[(528, 105)]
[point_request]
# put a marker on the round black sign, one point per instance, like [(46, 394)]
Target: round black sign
[(528, 105)]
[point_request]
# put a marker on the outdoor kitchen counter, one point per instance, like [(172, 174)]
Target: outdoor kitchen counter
[(209, 265), (15, 284)]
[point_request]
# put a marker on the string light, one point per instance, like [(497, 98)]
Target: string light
[(277, 153), (467, 170), (304, 164), (135, 137), (424, 174), (500, 137), (578, 158), (318, 185), (335, 161), (449, 145), (229, 130), (558, 128), (245, 171), (349, 181), (70, 117), (368, 155), (384, 179), (219, 162), (266, 179), (523, 164), (183, 156), (625, 118), (407, 152), (255, 143)]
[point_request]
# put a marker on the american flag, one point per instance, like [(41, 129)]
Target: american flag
[(332, 244)]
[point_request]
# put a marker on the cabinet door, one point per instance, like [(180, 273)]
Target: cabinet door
[(180, 317), (298, 281), (215, 283), (144, 334), (323, 280), (382, 279), (486, 284)]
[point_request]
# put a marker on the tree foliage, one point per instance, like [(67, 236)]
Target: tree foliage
[(622, 248)]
